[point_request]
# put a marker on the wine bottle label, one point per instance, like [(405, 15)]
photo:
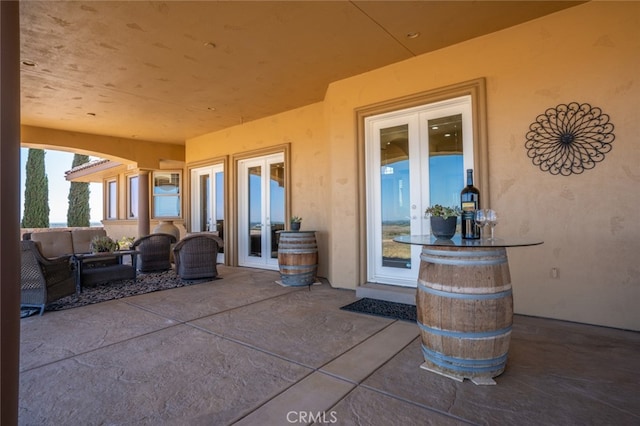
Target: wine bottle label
[(468, 206)]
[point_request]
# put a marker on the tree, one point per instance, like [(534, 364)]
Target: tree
[(78, 213), (36, 192)]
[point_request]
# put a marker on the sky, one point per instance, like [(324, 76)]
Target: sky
[(56, 163)]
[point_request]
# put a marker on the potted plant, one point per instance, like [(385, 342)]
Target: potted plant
[(295, 223), (443, 220), (125, 243), (103, 244)]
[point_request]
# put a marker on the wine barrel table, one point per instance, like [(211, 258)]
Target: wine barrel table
[(464, 305), (297, 258)]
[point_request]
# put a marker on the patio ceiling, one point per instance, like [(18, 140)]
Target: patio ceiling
[(168, 71)]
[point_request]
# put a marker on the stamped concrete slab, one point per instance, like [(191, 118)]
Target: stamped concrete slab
[(366, 407), (179, 375), (199, 300), (61, 334), (544, 383), (302, 326), (308, 401), (364, 359)]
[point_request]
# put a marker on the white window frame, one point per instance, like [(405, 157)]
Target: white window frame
[(154, 195), (132, 199), (111, 199)]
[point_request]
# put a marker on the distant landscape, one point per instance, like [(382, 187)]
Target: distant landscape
[(391, 249)]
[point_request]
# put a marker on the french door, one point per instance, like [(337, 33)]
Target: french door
[(415, 158), (207, 213), (261, 210)]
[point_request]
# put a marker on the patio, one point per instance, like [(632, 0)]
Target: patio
[(245, 350)]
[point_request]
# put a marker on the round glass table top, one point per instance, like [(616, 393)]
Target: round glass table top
[(458, 241)]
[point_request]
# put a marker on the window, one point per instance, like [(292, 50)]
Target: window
[(112, 199), (166, 194), (132, 210)]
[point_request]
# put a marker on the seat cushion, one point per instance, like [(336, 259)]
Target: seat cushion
[(81, 238), (54, 243)]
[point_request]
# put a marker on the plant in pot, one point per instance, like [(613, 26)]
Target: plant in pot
[(295, 223), (103, 244), (443, 220)]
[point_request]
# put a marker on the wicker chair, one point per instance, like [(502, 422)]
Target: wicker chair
[(154, 252), (196, 255), (43, 280)]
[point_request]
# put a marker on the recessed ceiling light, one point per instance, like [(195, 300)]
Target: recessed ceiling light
[(447, 135), (434, 128), (28, 63), (413, 34), (211, 108)]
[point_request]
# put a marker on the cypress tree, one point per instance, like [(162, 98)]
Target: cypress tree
[(78, 212), (36, 192)]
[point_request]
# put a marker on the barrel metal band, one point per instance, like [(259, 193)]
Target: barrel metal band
[(473, 296), (464, 335), (297, 267), (464, 365), (463, 258)]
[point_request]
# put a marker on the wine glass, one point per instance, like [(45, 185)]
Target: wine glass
[(492, 220), (481, 220)]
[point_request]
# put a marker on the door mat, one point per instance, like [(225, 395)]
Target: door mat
[(382, 308)]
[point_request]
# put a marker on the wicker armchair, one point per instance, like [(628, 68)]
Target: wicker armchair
[(154, 252), (195, 256), (43, 280)]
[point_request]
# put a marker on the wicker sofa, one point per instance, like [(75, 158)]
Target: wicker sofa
[(54, 244)]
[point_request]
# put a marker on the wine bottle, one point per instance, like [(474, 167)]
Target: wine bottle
[(469, 203)]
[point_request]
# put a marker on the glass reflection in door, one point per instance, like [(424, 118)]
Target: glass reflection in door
[(254, 212), (394, 195)]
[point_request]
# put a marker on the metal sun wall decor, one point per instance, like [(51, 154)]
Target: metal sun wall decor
[(569, 138)]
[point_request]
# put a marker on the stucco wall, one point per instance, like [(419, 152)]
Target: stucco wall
[(304, 130), (589, 53)]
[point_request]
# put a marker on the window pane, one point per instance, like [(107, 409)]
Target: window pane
[(205, 191), (255, 211), (394, 184), (446, 169), (219, 206), (166, 206), (133, 197), (166, 183), (112, 207), (276, 203)]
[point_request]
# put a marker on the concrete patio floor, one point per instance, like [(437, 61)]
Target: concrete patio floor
[(244, 350)]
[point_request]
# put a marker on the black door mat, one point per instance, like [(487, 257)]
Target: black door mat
[(382, 308)]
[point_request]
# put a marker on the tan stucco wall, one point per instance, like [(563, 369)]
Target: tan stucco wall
[(589, 53)]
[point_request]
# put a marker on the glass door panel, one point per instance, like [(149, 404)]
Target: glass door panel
[(394, 196), (218, 224), (207, 210), (205, 202), (254, 212), (276, 205), (445, 160)]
